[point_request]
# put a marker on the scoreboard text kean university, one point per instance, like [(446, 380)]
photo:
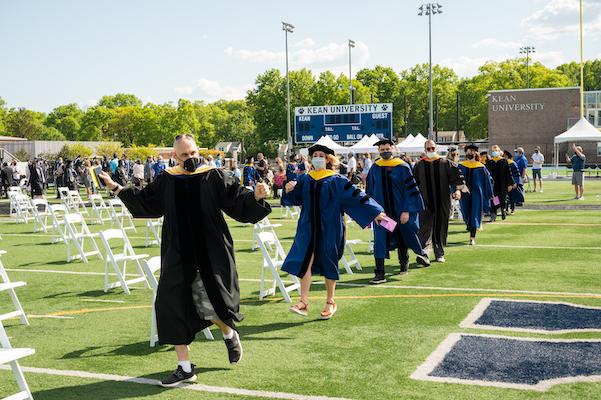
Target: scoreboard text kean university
[(343, 123)]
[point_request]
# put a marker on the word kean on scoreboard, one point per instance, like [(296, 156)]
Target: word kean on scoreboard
[(343, 123)]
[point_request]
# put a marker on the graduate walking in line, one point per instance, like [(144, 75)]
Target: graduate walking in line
[(325, 197), (479, 191), (502, 181), (438, 179), (198, 286), (516, 196), (390, 182)]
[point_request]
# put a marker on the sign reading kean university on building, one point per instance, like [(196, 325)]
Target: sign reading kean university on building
[(343, 123), (510, 103)]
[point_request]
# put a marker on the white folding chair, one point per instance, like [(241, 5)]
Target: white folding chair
[(153, 231), (12, 190), (7, 286), (273, 258), (150, 267), (114, 259), (77, 233), (262, 226), (59, 229), (100, 212), (349, 259), (370, 239), (10, 355), (42, 217), (77, 204), (455, 210), (63, 193), (120, 216), (290, 212), (21, 207)]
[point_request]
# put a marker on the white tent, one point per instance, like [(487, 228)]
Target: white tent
[(407, 140), (365, 145), (330, 143), (582, 131), (417, 145)]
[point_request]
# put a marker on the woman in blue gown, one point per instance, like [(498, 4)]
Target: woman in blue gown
[(479, 191), (325, 197)]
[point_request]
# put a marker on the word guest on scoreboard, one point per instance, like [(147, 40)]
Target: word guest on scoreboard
[(343, 123)]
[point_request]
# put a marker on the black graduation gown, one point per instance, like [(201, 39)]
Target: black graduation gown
[(501, 176), (195, 238), (35, 181)]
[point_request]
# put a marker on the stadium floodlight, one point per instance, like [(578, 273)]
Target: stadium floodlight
[(527, 50), (430, 9), (351, 44), (288, 28)]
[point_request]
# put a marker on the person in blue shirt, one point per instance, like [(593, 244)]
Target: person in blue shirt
[(516, 196), (291, 169), (325, 197), (218, 163), (521, 162), (158, 167), (479, 191), (578, 162), (114, 163), (391, 184)]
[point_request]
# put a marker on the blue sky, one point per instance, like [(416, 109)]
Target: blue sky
[(57, 52)]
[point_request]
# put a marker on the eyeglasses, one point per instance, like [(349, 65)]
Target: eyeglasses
[(430, 148), (185, 135)]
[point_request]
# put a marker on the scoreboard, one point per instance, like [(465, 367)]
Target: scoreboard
[(343, 123)]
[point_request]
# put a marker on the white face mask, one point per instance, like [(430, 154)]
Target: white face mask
[(496, 153), (432, 154), (319, 163)]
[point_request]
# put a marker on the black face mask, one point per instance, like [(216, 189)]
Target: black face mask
[(469, 156), (386, 155), (191, 164)]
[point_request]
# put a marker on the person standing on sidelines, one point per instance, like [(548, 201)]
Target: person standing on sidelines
[(390, 183), (578, 162), (325, 197), (198, 286), (438, 179), (538, 159)]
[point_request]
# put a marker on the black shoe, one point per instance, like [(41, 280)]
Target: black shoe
[(379, 278), (503, 215), (179, 376), (423, 260), (234, 348), (404, 268)]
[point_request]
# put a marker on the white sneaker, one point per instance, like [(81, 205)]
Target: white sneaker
[(540, 191), (581, 198), (472, 242), (440, 259)]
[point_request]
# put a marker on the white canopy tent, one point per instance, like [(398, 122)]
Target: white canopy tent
[(417, 145), (582, 131), (365, 145), (330, 143), (405, 141)]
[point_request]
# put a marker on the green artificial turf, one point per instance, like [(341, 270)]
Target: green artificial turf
[(379, 336)]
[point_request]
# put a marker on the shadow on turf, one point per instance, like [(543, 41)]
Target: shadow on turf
[(131, 349)]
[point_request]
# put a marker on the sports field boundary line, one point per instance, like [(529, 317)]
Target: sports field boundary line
[(197, 387)]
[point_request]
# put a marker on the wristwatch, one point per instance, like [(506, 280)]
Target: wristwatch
[(116, 190)]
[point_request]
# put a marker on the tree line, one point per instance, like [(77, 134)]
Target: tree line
[(259, 120)]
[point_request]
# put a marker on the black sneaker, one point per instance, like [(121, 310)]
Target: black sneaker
[(379, 278), (423, 260), (404, 268), (179, 376), (234, 348)]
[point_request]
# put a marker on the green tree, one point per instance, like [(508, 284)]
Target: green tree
[(3, 114), (66, 119), (107, 149), (26, 123), (268, 103), (95, 123), (592, 74), (120, 100)]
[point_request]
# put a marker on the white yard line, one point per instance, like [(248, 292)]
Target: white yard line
[(49, 316), (103, 301), (198, 387)]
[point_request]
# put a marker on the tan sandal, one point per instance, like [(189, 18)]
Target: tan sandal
[(301, 308), (329, 314)]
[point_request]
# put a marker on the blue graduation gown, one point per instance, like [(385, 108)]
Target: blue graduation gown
[(391, 184), (324, 196), (479, 183), (249, 176), (517, 194)]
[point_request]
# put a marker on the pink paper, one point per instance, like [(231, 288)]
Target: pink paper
[(388, 224), (496, 201)]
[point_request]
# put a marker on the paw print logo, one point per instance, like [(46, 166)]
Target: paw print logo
[(301, 110), (384, 107)]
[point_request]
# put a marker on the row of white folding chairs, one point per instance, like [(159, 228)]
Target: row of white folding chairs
[(20, 207), (8, 354)]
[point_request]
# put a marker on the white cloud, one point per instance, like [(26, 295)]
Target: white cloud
[(306, 54), (211, 90), (560, 17), (550, 59), (492, 42), (468, 66)]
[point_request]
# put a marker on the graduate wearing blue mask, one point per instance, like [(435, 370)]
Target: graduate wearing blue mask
[(325, 197)]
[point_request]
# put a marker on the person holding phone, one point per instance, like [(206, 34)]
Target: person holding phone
[(325, 197), (391, 184), (578, 162)]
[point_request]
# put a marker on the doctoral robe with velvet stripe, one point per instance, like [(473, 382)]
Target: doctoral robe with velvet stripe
[(391, 184), (325, 197), (479, 184), (517, 194), (502, 178), (195, 238)]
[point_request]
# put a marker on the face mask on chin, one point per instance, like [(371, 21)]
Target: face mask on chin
[(191, 164), (496, 154), (319, 163), (386, 155), (432, 154)]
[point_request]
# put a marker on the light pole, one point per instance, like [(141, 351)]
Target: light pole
[(288, 28), (527, 50), (430, 9), (351, 44)]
